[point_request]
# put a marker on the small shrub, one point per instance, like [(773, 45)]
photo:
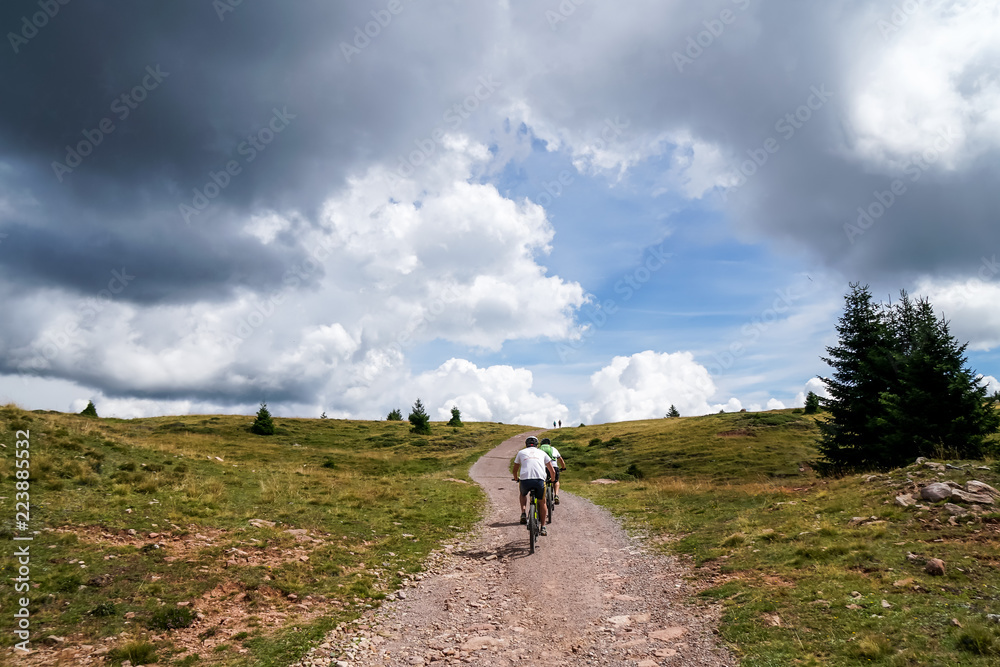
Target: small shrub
[(635, 471), (136, 652), (872, 647), (735, 540), (812, 404), (90, 410), (263, 424), (329, 463), (419, 421), (171, 618), (103, 609), (978, 639), (456, 417), (395, 416), (69, 584), (595, 442)]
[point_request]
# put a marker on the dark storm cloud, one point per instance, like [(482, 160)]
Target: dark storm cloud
[(150, 132)]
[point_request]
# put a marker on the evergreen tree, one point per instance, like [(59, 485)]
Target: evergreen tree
[(419, 421), (900, 389), (938, 408), (851, 438), (812, 403), (673, 412), (395, 416), (263, 424), (456, 417), (90, 410)]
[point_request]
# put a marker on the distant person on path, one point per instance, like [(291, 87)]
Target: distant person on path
[(530, 466), (560, 423), (554, 454)]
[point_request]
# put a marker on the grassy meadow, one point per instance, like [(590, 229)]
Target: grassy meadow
[(810, 571), (193, 541)]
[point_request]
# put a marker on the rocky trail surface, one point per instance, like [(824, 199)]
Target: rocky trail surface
[(589, 595)]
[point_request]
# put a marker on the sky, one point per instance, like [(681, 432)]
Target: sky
[(533, 210)]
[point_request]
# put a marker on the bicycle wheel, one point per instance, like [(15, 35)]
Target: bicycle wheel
[(550, 500), (532, 524)]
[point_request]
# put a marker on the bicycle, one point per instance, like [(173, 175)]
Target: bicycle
[(550, 495), (534, 527)]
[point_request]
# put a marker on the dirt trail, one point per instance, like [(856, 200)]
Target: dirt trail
[(589, 595)]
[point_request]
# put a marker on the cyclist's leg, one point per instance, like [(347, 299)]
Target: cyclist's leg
[(542, 507), (528, 486), (523, 489)]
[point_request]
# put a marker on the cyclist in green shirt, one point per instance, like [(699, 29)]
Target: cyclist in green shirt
[(553, 453)]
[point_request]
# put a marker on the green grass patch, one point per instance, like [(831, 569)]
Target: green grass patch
[(136, 516), (800, 579)]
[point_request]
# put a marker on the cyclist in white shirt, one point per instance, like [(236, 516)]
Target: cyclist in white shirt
[(529, 469)]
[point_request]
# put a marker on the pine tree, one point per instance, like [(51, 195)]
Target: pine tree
[(900, 389), (812, 403), (419, 421), (938, 409), (395, 415), (673, 412), (851, 438), (263, 424), (90, 410), (456, 417)]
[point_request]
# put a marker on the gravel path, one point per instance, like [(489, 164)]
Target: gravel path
[(589, 595)]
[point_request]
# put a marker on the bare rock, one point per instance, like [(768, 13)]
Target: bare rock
[(668, 634), (934, 567), (479, 643), (974, 486), (955, 510), (978, 498), (605, 481), (936, 491), (905, 500)]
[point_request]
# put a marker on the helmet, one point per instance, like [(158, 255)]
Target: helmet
[(531, 441), (546, 441)]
